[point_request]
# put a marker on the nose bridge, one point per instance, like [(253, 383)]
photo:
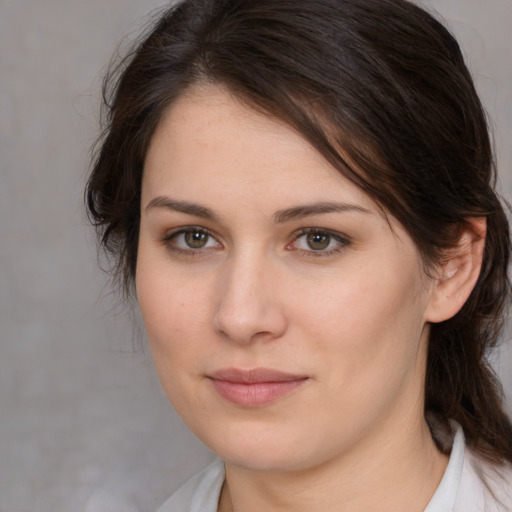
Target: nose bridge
[(247, 307)]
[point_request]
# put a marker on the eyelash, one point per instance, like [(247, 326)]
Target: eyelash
[(342, 241), (170, 240)]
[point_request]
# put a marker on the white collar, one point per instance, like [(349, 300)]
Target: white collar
[(445, 497)]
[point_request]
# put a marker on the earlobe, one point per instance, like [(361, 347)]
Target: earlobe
[(458, 273)]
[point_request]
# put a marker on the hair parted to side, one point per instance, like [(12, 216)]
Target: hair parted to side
[(380, 89)]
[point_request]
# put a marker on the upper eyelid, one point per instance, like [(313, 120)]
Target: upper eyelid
[(336, 234), (184, 229)]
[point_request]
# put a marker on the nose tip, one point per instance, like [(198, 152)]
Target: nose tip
[(248, 309), (241, 327)]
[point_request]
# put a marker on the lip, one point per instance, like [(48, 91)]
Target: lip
[(254, 387)]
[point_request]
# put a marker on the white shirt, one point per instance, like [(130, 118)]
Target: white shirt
[(461, 489)]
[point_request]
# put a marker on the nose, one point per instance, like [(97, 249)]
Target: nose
[(248, 308)]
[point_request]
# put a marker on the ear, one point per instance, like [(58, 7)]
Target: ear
[(459, 271)]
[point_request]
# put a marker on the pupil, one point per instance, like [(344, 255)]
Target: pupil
[(196, 239), (318, 241)]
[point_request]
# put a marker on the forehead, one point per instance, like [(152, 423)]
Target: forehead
[(208, 138)]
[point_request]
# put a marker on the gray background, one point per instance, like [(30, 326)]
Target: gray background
[(82, 416)]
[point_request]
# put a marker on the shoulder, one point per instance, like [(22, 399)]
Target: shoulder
[(483, 486), (200, 494)]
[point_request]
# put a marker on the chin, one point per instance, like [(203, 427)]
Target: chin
[(266, 448), (263, 459)]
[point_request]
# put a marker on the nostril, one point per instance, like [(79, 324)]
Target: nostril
[(248, 323)]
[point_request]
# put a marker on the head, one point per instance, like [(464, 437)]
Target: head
[(380, 91)]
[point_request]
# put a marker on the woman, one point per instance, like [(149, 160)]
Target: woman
[(301, 193)]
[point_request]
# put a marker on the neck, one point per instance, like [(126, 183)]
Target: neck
[(395, 470)]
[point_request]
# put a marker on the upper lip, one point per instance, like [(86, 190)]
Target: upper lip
[(254, 375)]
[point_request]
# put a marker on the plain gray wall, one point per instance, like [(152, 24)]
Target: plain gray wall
[(80, 410)]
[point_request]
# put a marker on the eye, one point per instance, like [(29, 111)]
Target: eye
[(320, 241), (191, 239), (196, 239)]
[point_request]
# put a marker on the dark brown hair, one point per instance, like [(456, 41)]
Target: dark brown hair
[(379, 81)]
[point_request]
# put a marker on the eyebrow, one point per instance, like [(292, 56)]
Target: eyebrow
[(298, 212), (181, 206), (280, 216)]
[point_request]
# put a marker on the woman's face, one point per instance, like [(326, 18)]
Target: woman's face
[(287, 316)]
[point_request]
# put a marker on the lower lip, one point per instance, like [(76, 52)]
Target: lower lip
[(254, 394)]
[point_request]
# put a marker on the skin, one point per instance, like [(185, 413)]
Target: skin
[(353, 317)]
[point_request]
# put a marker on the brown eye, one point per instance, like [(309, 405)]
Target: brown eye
[(191, 240), (318, 241), (196, 239)]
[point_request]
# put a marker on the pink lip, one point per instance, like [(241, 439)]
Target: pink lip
[(255, 387)]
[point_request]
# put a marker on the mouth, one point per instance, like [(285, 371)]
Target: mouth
[(256, 387)]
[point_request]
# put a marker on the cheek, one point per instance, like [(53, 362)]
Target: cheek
[(359, 300), (173, 317), (366, 325), (172, 307), (172, 313)]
